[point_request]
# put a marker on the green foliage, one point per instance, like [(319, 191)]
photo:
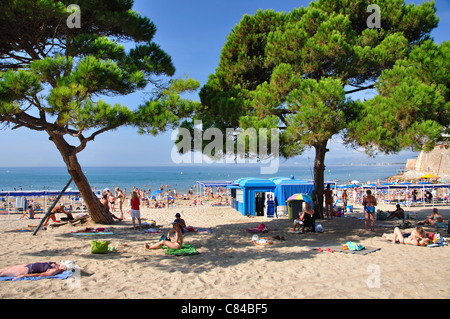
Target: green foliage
[(412, 108), (63, 73), (299, 67)]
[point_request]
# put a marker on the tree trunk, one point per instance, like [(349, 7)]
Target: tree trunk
[(319, 169), (96, 210)]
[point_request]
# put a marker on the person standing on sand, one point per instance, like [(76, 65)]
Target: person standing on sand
[(135, 210), (120, 199), (344, 201), (328, 201), (369, 203)]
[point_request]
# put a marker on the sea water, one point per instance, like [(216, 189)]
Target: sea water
[(178, 176)]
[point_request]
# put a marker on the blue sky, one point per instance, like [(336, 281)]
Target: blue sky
[(193, 33)]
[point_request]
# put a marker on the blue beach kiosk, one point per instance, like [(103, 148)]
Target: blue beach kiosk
[(248, 195), (262, 197)]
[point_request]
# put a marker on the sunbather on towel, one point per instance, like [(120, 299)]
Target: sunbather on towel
[(40, 269), (417, 237), (175, 242)]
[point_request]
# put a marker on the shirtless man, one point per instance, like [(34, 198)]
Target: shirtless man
[(175, 242)]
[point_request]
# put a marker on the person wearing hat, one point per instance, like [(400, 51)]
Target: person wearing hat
[(175, 242)]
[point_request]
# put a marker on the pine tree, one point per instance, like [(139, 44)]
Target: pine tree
[(297, 70), (58, 62)]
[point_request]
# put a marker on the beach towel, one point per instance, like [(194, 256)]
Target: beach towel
[(63, 275), (186, 250), (340, 249), (204, 230), (94, 233), (90, 231), (261, 229), (151, 231), (189, 229), (438, 244)]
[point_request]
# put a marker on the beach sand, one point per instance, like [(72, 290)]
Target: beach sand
[(229, 265)]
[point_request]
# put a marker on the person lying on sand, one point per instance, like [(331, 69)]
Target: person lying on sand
[(417, 237), (175, 242), (40, 269)]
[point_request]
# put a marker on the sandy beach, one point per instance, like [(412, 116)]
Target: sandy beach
[(229, 265)]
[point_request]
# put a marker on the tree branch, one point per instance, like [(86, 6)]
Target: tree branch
[(360, 88)]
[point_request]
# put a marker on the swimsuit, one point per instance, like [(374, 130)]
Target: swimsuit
[(38, 268), (369, 209)]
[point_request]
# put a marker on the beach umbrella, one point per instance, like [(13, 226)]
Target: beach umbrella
[(429, 176), (304, 197), (158, 191)]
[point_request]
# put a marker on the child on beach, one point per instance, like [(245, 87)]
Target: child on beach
[(135, 210)]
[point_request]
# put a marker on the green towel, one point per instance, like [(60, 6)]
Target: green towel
[(186, 249)]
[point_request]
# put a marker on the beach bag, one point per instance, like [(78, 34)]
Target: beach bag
[(318, 228), (351, 245), (99, 247)]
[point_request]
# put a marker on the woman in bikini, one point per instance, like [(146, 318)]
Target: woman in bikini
[(369, 204), (417, 237), (434, 218), (175, 242), (44, 269)]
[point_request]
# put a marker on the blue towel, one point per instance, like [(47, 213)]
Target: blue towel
[(64, 275)]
